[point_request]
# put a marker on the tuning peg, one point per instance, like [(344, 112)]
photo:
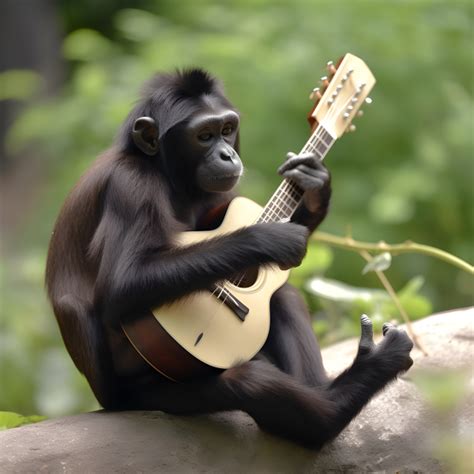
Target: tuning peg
[(358, 92), (360, 113), (346, 115), (315, 94), (331, 68), (351, 128), (346, 75), (325, 81), (368, 100)]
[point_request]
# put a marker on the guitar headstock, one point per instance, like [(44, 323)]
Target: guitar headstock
[(341, 94)]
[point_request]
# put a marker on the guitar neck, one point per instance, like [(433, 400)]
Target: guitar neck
[(288, 195)]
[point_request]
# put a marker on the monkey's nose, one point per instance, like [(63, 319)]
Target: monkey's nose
[(227, 156)]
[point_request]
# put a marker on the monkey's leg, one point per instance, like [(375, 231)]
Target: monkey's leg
[(277, 401), (291, 343)]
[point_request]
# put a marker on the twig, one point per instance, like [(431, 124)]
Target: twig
[(395, 249)]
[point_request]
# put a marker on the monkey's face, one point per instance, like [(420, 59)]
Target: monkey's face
[(199, 152), (211, 136)]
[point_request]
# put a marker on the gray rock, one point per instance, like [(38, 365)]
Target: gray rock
[(392, 434)]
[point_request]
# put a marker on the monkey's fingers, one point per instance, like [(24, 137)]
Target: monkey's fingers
[(308, 159), (307, 179)]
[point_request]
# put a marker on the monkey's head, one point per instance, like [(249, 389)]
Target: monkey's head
[(186, 124)]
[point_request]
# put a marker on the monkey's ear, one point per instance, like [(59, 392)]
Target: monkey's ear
[(145, 135)]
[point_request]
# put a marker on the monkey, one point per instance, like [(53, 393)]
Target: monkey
[(173, 167)]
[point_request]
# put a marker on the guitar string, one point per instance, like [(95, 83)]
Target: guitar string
[(273, 210), (289, 189), (318, 137), (222, 286), (281, 190), (286, 188)]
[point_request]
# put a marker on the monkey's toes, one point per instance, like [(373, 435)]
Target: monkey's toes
[(364, 319), (366, 343)]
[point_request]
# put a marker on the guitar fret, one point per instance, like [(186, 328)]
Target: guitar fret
[(327, 138), (283, 205)]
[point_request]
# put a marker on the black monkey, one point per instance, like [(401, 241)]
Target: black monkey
[(111, 256)]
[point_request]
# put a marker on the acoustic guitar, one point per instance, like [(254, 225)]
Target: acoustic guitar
[(207, 332)]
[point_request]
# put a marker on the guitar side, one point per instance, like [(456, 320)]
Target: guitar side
[(203, 325)]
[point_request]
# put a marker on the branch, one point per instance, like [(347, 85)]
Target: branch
[(407, 247)]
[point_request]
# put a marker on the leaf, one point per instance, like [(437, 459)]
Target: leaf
[(379, 263), (336, 291), (415, 304), (412, 287)]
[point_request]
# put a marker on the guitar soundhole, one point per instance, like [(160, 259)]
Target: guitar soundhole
[(246, 279)]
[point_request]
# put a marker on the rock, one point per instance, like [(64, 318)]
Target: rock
[(392, 434)]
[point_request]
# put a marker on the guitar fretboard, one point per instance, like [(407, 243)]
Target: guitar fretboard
[(288, 195)]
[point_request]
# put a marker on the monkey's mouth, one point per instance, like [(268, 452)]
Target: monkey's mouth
[(227, 181), (227, 176), (221, 183)]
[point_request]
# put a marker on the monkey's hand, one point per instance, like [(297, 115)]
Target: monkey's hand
[(309, 173), (280, 243)]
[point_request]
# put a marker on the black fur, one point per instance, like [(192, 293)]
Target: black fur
[(112, 255)]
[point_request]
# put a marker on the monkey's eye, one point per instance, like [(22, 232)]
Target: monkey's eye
[(227, 130), (205, 136)]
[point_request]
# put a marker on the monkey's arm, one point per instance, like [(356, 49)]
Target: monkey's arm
[(138, 271), (173, 273)]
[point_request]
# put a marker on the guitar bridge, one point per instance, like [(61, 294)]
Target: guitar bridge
[(234, 304)]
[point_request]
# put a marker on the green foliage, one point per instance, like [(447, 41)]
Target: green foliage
[(8, 419), (37, 375), (444, 390), (341, 300), (447, 391), (317, 260), (406, 174), (17, 84), (86, 45)]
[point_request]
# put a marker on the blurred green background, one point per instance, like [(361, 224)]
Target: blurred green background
[(71, 71)]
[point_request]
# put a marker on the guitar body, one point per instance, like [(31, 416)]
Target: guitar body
[(205, 330)]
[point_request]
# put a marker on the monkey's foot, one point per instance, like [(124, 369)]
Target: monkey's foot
[(393, 350)]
